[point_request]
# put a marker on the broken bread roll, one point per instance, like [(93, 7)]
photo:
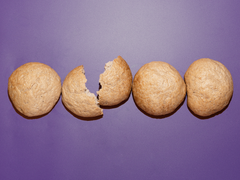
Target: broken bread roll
[(34, 88), (115, 83), (158, 88), (209, 86), (76, 97)]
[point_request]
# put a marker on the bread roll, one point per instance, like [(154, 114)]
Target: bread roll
[(209, 86), (158, 88), (76, 97), (34, 88), (116, 83)]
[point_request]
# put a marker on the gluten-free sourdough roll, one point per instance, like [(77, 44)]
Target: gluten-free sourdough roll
[(209, 86), (76, 97), (34, 88), (116, 83), (158, 88)]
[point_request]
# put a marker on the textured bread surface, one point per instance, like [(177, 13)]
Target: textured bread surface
[(76, 97), (116, 83), (209, 86), (34, 88), (158, 88)]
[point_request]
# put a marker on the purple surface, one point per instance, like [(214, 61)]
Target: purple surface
[(124, 143)]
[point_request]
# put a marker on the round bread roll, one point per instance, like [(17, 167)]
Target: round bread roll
[(116, 83), (158, 88), (76, 97), (34, 88), (209, 86)]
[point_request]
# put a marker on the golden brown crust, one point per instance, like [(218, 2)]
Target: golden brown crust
[(158, 88), (34, 88), (116, 83), (209, 86), (76, 97)]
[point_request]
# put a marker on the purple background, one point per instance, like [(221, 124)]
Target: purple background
[(124, 143)]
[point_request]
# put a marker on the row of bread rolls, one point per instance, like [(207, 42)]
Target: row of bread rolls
[(158, 88)]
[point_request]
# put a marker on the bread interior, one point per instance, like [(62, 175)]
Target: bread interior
[(91, 95), (107, 66), (88, 93)]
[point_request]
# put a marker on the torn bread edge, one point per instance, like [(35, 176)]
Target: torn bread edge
[(88, 93), (107, 67)]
